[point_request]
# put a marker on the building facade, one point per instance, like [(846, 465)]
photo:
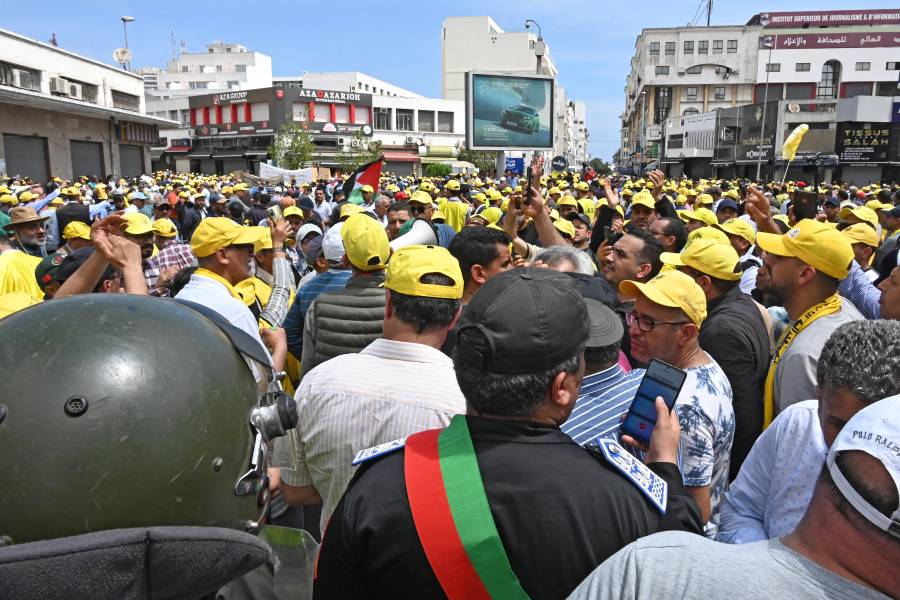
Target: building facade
[(66, 115), (222, 67)]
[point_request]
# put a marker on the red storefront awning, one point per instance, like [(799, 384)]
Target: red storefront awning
[(175, 149), (400, 156)]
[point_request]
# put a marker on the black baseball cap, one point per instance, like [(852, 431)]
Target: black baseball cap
[(522, 321), (606, 326), (572, 216)]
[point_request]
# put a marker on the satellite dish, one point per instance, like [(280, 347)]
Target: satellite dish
[(122, 55), (794, 108)]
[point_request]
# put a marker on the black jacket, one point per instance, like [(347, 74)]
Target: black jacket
[(735, 335), (560, 511)]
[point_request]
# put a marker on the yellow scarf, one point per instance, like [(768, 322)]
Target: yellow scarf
[(830, 306), (215, 277)]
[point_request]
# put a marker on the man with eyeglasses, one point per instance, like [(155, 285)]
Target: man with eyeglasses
[(665, 324), (421, 206), (733, 333)]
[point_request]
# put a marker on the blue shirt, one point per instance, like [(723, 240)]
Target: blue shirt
[(605, 396), (860, 290), (330, 280), (771, 492)]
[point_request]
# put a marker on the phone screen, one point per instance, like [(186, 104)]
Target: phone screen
[(529, 182), (274, 213), (661, 379)]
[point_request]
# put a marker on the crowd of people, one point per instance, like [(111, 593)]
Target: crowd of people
[(461, 352)]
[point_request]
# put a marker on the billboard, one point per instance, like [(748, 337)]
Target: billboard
[(863, 142), (509, 112), (825, 18), (745, 134)]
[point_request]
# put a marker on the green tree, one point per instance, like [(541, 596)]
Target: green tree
[(600, 167), (293, 147), (485, 160), (437, 170), (359, 151)]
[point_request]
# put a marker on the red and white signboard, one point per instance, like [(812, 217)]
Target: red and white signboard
[(822, 18), (826, 39)]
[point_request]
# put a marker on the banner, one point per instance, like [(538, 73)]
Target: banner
[(267, 171), (818, 18), (832, 40), (509, 112), (863, 142)]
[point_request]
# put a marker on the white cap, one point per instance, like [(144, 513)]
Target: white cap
[(305, 230), (874, 430), (333, 244)]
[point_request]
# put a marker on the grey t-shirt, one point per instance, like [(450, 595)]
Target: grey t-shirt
[(795, 377), (674, 564)]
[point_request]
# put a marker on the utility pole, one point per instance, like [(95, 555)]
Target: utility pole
[(709, 4)]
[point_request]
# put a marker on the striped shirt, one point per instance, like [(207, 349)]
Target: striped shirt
[(604, 398), (387, 391)]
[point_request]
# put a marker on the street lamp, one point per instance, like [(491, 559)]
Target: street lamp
[(125, 21), (642, 137), (539, 47)]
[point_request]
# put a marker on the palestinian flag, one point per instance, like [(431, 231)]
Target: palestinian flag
[(368, 174)]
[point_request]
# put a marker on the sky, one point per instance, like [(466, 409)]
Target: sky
[(398, 41)]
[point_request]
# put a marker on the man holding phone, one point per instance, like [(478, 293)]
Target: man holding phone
[(665, 323)]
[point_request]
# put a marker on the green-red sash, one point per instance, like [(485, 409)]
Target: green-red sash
[(453, 518)]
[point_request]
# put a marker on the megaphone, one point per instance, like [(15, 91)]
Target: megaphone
[(422, 233)]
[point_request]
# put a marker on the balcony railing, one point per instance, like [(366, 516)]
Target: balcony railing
[(126, 101)]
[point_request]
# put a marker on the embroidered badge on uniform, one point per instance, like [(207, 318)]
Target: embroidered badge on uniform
[(379, 450), (653, 486)]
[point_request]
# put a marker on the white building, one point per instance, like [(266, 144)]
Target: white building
[(66, 115), (222, 67), (478, 43), (680, 71), (347, 81)]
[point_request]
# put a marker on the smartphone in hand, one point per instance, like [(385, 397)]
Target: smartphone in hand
[(275, 213), (660, 379)]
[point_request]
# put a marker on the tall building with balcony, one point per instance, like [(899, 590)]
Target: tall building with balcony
[(222, 67), (67, 115)]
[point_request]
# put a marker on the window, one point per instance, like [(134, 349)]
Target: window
[(240, 68), (218, 68), (690, 111), (703, 47), (670, 48), (20, 77), (233, 85), (732, 46), (801, 67), (662, 104), (773, 67), (445, 122), (404, 119), (695, 70), (654, 48), (662, 70), (367, 87), (184, 69), (863, 66), (717, 46), (689, 47), (199, 85), (828, 84), (719, 93), (892, 66), (691, 93), (858, 88), (426, 120), (383, 118), (125, 101)]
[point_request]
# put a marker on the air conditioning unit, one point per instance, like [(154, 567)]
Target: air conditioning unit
[(341, 142), (410, 139), (75, 91), (354, 143), (58, 85)]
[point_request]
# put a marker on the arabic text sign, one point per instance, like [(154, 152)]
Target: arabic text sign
[(835, 40), (830, 17)]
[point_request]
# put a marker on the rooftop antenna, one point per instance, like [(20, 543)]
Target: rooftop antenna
[(174, 46), (53, 40), (709, 5)]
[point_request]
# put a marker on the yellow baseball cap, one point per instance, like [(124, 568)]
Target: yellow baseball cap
[(27, 196), (214, 233), (367, 189), (365, 242), (350, 209), (673, 289), (710, 257), (77, 229), (410, 264), (700, 214), (643, 198), (137, 223), (739, 227), (817, 244), (704, 199), (567, 201), (582, 186), (866, 215), (293, 211), (862, 233), (265, 240), (452, 185), (565, 226), (164, 228), (8, 199), (492, 214), (239, 187), (707, 233), (421, 197), (553, 190), (426, 186)]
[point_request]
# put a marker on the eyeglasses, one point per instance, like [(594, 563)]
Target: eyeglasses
[(646, 324)]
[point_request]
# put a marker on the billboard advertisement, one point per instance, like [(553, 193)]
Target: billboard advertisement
[(509, 112), (745, 134), (863, 142)]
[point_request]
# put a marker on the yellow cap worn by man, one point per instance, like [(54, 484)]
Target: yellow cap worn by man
[(672, 289), (805, 266), (865, 241), (409, 266), (710, 257), (165, 228), (77, 229), (365, 243)]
